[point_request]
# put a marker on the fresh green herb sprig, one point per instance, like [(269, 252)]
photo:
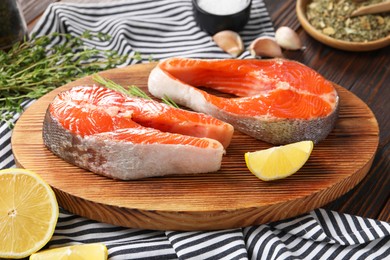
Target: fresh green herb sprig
[(131, 90), (34, 67), (167, 100)]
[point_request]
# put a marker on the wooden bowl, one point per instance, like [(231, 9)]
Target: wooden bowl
[(335, 43)]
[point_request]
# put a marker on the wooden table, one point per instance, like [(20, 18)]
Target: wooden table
[(368, 76), (365, 74)]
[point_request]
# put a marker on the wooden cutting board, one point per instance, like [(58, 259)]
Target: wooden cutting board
[(229, 198)]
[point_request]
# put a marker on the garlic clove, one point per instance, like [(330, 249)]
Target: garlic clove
[(265, 46), (230, 42), (288, 39)]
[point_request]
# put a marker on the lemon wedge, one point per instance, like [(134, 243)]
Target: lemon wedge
[(96, 251), (280, 161), (28, 213)]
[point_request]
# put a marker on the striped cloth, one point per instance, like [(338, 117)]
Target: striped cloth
[(162, 29), (320, 234)]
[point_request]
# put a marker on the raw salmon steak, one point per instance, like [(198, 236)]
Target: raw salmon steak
[(278, 101), (123, 137)]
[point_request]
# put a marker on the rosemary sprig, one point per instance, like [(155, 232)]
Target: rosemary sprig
[(110, 84), (34, 67), (137, 92), (131, 90), (167, 100)]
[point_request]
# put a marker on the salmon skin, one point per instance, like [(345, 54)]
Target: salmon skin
[(278, 101), (126, 138)]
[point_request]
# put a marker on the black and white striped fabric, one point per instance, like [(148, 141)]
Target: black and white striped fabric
[(318, 235), (166, 28)]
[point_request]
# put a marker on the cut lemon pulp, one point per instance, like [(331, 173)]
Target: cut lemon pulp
[(96, 251), (28, 213), (280, 161)]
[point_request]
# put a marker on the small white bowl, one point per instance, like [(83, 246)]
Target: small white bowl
[(213, 23)]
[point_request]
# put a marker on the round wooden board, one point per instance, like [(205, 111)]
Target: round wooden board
[(229, 198)]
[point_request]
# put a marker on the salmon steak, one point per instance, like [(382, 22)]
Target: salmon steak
[(127, 138), (278, 101)]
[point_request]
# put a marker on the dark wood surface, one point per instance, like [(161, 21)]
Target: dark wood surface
[(366, 74)]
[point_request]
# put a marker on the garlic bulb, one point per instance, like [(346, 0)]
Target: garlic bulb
[(230, 42), (288, 39), (265, 46)]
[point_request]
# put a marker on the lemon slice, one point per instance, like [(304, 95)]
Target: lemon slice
[(96, 251), (280, 161), (28, 213)]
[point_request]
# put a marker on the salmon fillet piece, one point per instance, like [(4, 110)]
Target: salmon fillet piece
[(122, 137), (278, 101)]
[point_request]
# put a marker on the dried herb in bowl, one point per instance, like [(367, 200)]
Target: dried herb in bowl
[(332, 18)]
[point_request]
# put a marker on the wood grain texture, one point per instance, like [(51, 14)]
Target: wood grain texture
[(32, 9), (367, 75), (229, 198)]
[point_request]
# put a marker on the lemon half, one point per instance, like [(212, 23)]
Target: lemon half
[(280, 161), (28, 213), (95, 251)]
